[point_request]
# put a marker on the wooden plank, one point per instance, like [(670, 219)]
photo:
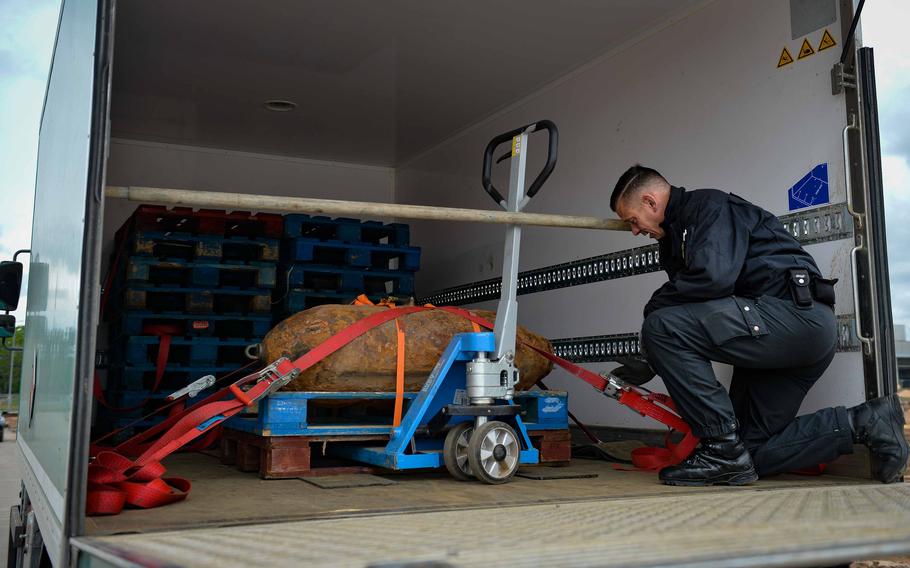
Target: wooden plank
[(356, 208)]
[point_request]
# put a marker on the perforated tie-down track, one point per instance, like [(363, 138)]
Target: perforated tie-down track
[(753, 527)]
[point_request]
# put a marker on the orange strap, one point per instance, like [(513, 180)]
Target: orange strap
[(364, 300), (399, 376)]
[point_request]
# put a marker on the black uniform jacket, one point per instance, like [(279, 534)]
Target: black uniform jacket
[(717, 244)]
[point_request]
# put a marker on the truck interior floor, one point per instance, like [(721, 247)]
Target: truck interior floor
[(222, 495), (619, 518)]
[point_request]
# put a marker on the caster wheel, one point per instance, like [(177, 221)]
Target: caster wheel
[(493, 452), (455, 451)]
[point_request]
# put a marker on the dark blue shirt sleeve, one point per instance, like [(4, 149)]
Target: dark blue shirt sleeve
[(715, 249)]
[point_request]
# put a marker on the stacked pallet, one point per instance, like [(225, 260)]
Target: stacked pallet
[(190, 291), (331, 261)]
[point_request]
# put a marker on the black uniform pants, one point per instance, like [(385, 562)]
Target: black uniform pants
[(777, 350)]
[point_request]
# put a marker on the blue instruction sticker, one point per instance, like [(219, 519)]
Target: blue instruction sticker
[(811, 190)]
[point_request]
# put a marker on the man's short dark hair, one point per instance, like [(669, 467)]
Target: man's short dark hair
[(636, 177)]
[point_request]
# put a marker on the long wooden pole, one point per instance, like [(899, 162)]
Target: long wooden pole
[(234, 201)]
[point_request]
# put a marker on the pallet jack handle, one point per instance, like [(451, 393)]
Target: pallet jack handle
[(552, 151)]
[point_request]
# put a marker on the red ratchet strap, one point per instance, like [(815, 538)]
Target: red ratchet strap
[(138, 444), (116, 480), (655, 405)]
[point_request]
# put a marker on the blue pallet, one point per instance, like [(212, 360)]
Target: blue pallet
[(291, 414), (209, 274), (108, 423), (194, 299), (347, 230), (351, 254), (347, 279), (544, 410), (155, 399), (208, 325), (188, 351), (142, 377), (183, 246), (298, 300), (122, 421)]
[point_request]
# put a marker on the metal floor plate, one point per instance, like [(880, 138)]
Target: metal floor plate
[(780, 527)]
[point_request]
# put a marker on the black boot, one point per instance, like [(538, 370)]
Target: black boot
[(879, 424), (723, 460)]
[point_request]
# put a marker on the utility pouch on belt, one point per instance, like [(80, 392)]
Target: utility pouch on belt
[(823, 290), (799, 287)]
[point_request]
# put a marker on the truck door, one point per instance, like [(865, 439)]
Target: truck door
[(874, 318), (62, 309), (862, 156)]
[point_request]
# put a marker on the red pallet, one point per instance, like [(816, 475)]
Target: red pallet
[(206, 221)]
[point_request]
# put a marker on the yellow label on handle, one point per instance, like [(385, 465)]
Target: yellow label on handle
[(516, 145)]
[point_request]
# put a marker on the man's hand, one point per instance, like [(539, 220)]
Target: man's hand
[(633, 371)]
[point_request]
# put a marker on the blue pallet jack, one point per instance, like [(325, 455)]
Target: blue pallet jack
[(469, 394)]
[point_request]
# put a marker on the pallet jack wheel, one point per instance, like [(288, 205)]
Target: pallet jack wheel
[(493, 452), (455, 451)]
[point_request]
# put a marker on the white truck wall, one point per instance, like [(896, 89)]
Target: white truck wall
[(152, 164), (700, 99)]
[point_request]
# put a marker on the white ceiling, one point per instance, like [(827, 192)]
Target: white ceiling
[(376, 81)]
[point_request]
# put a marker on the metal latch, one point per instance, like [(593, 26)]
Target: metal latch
[(194, 388), (841, 80), (276, 378), (615, 386)]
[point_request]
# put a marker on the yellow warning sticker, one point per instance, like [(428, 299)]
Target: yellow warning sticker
[(826, 42), (805, 50), (516, 145), (785, 58)]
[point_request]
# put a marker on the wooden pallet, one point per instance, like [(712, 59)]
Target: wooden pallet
[(555, 446), (282, 457)]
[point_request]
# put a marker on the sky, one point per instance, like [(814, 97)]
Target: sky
[(883, 24), (27, 29)]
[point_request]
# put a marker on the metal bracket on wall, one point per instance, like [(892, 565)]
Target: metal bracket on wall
[(828, 223), (605, 348), (841, 80)]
